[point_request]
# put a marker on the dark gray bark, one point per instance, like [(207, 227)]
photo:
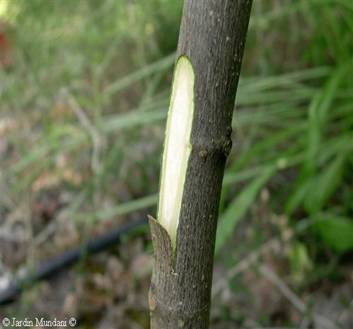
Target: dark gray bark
[(212, 36)]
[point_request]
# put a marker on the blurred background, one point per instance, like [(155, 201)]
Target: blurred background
[(84, 92)]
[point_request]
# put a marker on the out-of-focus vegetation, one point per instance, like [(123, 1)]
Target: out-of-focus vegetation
[(84, 95)]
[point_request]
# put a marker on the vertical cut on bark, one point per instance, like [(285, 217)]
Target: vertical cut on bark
[(177, 146), (211, 44)]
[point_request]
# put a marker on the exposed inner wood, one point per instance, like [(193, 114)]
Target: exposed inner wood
[(177, 146)]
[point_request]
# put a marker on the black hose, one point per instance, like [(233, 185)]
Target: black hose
[(53, 266)]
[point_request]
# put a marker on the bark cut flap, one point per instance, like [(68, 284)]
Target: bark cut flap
[(162, 245)]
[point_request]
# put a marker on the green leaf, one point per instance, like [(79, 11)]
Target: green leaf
[(298, 197), (324, 185), (239, 207), (336, 232), (315, 191), (144, 72), (318, 115)]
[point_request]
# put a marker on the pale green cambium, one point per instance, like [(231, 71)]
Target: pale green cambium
[(177, 147)]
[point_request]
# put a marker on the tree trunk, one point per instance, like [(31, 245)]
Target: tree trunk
[(211, 43)]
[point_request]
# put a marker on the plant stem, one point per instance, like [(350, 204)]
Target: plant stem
[(212, 38)]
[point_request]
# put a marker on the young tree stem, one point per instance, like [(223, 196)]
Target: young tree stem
[(212, 38)]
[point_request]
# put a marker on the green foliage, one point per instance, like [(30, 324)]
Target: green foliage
[(239, 207), (323, 185), (336, 231), (293, 122)]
